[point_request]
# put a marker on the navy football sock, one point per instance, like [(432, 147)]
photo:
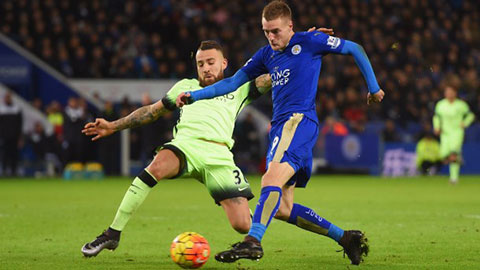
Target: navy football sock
[(267, 207), (307, 219)]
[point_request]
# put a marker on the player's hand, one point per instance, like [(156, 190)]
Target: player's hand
[(328, 31), (375, 98), (462, 125), (101, 128), (436, 132), (182, 99)]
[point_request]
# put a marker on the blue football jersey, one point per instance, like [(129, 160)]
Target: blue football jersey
[(294, 72)]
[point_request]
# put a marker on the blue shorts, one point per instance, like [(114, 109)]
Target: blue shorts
[(292, 141)]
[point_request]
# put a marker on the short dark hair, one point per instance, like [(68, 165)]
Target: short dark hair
[(276, 9), (451, 86), (452, 80), (210, 44)]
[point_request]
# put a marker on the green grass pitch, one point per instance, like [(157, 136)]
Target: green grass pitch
[(411, 223)]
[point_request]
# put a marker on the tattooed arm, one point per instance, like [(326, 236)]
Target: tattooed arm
[(141, 116), (263, 83)]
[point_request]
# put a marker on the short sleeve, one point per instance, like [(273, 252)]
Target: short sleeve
[(322, 43), (254, 66)]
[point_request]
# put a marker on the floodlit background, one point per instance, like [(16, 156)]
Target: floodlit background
[(64, 62)]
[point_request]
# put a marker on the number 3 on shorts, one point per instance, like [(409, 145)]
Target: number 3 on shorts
[(238, 179)]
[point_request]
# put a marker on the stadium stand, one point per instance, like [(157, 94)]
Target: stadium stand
[(412, 44)]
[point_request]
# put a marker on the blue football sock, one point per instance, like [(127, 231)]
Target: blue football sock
[(267, 207), (307, 219)]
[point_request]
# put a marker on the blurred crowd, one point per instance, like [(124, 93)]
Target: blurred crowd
[(66, 144), (413, 46)]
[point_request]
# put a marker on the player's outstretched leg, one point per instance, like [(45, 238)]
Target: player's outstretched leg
[(353, 242), (166, 164), (109, 239), (134, 197), (306, 218), (355, 245)]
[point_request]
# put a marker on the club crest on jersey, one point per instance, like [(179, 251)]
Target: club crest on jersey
[(296, 49)]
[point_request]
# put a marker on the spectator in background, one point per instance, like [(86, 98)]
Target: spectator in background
[(55, 117), (145, 67), (422, 45), (90, 149), (247, 144), (163, 70), (38, 141), (166, 125), (426, 129), (329, 108), (149, 135), (180, 70), (390, 134), (428, 154), (476, 107), (331, 126), (334, 127), (81, 68), (64, 64), (56, 154), (11, 122), (354, 112), (126, 107), (109, 148), (40, 145), (72, 130), (38, 104), (99, 65)]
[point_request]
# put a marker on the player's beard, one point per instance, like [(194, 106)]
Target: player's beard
[(204, 82)]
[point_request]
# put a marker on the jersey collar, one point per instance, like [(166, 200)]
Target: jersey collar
[(291, 41)]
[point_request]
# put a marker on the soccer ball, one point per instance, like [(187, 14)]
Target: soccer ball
[(190, 250)]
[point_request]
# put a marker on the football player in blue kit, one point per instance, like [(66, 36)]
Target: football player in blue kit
[(293, 60)]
